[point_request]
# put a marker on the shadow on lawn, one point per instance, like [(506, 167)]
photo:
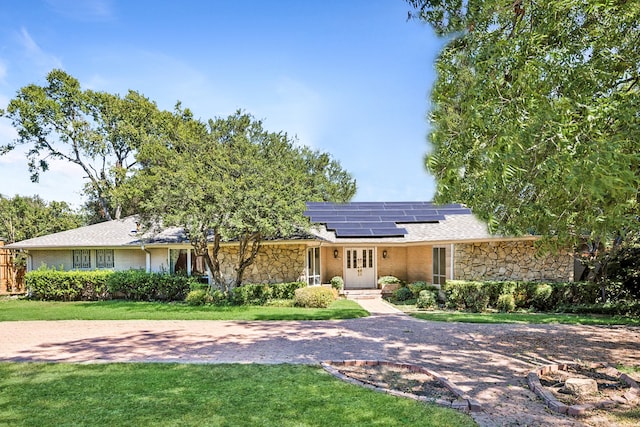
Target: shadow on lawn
[(489, 362)]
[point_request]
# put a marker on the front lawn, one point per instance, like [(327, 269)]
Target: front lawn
[(12, 309), (36, 394), (540, 318)]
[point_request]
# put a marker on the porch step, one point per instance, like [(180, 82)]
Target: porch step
[(362, 293)]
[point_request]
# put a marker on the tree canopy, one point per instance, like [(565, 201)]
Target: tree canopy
[(535, 113), (230, 180), (97, 131), (24, 218)]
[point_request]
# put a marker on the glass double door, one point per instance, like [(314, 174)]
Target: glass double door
[(360, 272)]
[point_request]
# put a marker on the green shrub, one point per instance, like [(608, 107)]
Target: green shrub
[(619, 308), (285, 290), (138, 285), (198, 297), (471, 296), (506, 303), (495, 289), (261, 293), (427, 300), (541, 297), (194, 286), (389, 280), (337, 283), (58, 285), (417, 287), (251, 294), (402, 294), (575, 293), (219, 297), (314, 297)]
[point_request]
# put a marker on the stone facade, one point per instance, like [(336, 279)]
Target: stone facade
[(505, 260), (274, 264)]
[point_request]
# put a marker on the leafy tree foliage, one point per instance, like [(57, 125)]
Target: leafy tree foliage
[(535, 113), (230, 180), (24, 218), (97, 131)]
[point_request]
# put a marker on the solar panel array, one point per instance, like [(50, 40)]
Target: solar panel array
[(377, 219)]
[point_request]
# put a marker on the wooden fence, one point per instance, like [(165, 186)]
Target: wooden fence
[(11, 281)]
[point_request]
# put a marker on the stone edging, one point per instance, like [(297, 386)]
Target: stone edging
[(463, 403), (533, 379)]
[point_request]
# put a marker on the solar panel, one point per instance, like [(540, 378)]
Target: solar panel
[(377, 219)]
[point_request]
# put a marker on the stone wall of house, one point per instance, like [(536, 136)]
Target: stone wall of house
[(274, 264), (516, 260)]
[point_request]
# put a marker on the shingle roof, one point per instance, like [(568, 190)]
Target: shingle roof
[(116, 233), (454, 223), (460, 226)]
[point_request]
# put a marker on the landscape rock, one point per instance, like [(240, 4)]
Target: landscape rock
[(581, 386)]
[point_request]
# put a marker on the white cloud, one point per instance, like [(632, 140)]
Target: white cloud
[(84, 10), (42, 59)]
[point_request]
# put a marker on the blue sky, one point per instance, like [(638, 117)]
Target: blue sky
[(349, 77)]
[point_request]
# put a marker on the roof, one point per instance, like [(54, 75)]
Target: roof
[(358, 222), (116, 233), (394, 222)]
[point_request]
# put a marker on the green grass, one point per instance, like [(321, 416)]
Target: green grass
[(35, 394), (11, 309), (535, 318)]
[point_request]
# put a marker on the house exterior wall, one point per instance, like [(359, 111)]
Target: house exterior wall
[(127, 259), (274, 264), (419, 265), (395, 264), (159, 260), (515, 260), (410, 264), (123, 259), (329, 265), (52, 258)]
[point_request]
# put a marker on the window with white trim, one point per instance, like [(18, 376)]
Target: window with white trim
[(81, 259), (439, 266), (313, 266)]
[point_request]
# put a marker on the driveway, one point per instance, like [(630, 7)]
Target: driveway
[(489, 362)]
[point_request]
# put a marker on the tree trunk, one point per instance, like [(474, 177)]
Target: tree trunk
[(248, 243)]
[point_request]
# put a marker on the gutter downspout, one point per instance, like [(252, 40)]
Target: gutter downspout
[(147, 259)]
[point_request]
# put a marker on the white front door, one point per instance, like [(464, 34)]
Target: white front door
[(360, 272)]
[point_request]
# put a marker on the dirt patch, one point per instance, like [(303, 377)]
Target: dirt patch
[(395, 377)]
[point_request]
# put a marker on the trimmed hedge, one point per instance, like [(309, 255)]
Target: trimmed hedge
[(260, 294), (58, 285), (478, 296), (138, 285), (315, 297)]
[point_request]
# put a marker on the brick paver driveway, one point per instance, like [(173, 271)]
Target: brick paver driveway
[(489, 362)]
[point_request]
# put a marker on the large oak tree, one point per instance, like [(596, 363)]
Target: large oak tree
[(230, 180), (98, 132), (535, 113)]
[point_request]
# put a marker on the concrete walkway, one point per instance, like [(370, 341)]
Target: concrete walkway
[(489, 362), (377, 306)]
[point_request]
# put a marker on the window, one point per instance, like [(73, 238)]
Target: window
[(313, 266), (104, 258), (179, 259), (439, 266), (82, 259)]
